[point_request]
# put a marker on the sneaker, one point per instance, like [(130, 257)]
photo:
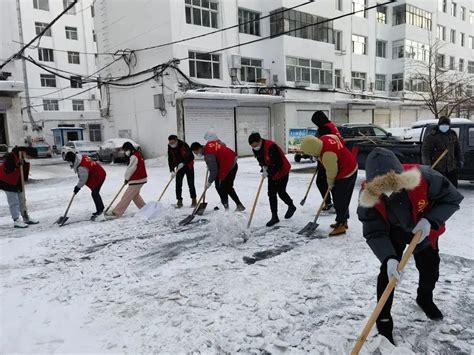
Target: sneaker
[(291, 211), (28, 220), (273, 221), (110, 215), (385, 328), (193, 203), (340, 229), (19, 224), (334, 225), (327, 207), (95, 215), (226, 206), (430, 309), (240, 208), (179, 204)]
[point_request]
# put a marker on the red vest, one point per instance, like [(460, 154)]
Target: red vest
[(12, 178), (225, 157), (419, 204), (140, 173), (96, 172), (285, 170), (332, 127), (346, 162)]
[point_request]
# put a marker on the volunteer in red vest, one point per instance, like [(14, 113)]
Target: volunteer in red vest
[(341, 174), (181, 163), (221, 162), (325, 127), (395, 202), (276, 168), (135, 177), (90, 174), (10, 182)]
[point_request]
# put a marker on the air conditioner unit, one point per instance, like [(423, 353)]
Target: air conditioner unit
[(236, 61), (302, 84)]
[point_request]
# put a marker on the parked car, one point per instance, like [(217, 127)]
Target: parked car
[(111, 150), (361, 131), (81, 147), (43, 149)]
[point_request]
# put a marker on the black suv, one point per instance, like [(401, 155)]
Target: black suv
[(363, 130)]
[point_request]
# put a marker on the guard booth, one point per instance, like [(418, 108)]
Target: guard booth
[(62, 135)]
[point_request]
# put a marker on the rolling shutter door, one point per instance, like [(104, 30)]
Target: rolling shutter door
[(199, 120), (408, 118), (382, 118), (360, 116), (249, 120)]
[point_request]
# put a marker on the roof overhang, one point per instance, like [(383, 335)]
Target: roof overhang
[(236, 99), (11, 87)]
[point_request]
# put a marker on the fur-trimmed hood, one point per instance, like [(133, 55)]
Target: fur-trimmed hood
[(388, 183)]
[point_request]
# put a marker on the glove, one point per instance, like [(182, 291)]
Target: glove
[(208, 184), (392, 269), (180, 166), (125, 182), (460, 165), (76, 190), (173, 174), (265, 172), (424, 226)]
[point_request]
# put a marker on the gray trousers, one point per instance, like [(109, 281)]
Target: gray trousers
[(15, 203)]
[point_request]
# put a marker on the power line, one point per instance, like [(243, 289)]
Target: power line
[(65, 98)]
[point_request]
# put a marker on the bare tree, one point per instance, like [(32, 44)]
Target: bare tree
[(442, 88)]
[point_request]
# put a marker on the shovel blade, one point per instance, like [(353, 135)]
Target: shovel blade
[(201, 208), (309, 229), (187, 220), (303, 201), (62, 220)]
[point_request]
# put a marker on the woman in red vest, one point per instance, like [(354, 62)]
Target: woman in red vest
[(135, 177), (90, 174), (222, 164), (276, 168), (396, 202)]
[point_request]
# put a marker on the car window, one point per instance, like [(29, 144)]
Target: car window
[(457, 130), (379, 132), (366, 131), (70, 145), (471, 137)]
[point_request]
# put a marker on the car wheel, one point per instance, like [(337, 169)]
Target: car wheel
[(297, 158)]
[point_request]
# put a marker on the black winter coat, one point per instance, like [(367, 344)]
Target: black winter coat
[(181, 154), (435, 143)]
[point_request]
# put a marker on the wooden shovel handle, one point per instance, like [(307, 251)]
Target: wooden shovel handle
[(439, 158), (199, 202), (113, 200), (322, 205), (386, 294), (166, 188), (255, 202), (207, 176), (310, 184), (69, 205)]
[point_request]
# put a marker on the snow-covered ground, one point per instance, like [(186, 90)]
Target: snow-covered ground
[(143, 286)]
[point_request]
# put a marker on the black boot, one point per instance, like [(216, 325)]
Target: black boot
[(291, 211), (385, 328), (273, 221), (428, 306)]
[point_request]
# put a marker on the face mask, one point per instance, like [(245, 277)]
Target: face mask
[(199, 155), (173, 145), (444, 128), (128, 153), (257, 148)]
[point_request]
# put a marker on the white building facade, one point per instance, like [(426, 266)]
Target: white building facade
[(69, 49), (355, 67)]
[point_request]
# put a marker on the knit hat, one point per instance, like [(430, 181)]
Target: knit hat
[(319, 118), (210, 136), (381, 161), (312, 146), (444, 120)]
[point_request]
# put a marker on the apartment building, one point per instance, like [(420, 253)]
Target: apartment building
[(68, 48), (250, 77)]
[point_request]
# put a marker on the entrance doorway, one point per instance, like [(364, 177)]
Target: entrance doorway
[(3, 129), (72, 136)]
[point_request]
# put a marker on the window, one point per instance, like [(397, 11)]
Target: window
[(338, 40), (382, 14), (417, 50), (462, 39), (454, 8), (292, 20), (461, 64), (452, 63), (45, 55), (471, 17), (95, 133), (251, 70), (48, 80), (359, 44), (442, 5), (92, 10), (398, 49), (471, 42), (380, 82), (50, 105), (311, 71), (41, 4), (249, 22), (462, 13), (452, 37), (339, 5), (470, 67), (397, 82), (338, 79), (66, 4), (440, 60), (94, 36), (73, 57), (76, 82), (204, 66), (411, 15), (358, 80), (40, 26), (441, 35), (381, 50), (71, 33), (78, 105), (358, 5), (201, 12), (471, 137)]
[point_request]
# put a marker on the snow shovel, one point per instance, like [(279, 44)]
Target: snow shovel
[(303, 201), (386, 294), (63, 219), (189, 218), (255, 202), (113, 200), (203, 205), (309, 229)]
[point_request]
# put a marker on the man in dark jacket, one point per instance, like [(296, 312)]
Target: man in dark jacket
[(396, 202), (181, 163), (436, 142), (10, 182), (277, 168), (325, 127)]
